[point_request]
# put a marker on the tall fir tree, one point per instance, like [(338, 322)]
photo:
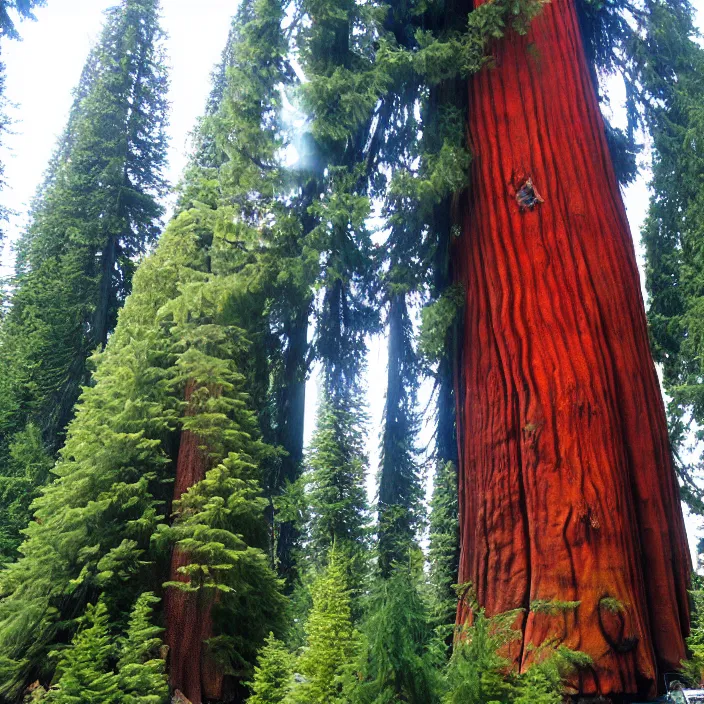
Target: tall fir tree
[(83, 668), (673, 109), (332, 642), (97, 212), (273, 676), (141, 670), (443, 549), (399, 662), (100, 525)]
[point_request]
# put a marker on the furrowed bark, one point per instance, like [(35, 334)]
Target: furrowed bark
[(567, 488), (189, 614)]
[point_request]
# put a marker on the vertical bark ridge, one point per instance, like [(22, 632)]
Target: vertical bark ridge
[(567, 489), (189, 614)]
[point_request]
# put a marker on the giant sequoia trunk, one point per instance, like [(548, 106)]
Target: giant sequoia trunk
[(189, 614), (567, 489)]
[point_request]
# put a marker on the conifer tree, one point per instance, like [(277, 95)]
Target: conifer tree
[(332, 643), (83, 670), (141, 668), (97, 212), (100, 526), (538, 325), (672, 101), (273, 676), (398, 662), (443, 551), (336, 494), (400, 487), (237, 160)]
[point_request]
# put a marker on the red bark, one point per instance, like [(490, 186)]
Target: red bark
[(567, 488), (189, 614)]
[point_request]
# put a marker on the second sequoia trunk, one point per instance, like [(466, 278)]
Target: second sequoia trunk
[(567, 488), (189, 620)]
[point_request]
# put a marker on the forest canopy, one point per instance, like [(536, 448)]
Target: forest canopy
[(411, 172)]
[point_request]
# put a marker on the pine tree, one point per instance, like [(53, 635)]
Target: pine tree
[(96, 522), (443, 551), (96, 214), (273, 676), (476, 673), (83, 670), (400, 486), (336, 493), (399, 663), (141, 668), (28, 467), (671, 98), (332, 643)]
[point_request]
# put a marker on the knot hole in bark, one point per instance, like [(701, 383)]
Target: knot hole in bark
[(612, 622), (526, 193)]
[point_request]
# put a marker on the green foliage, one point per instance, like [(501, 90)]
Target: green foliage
[(11, 9), (95, 214), (141, 667), (28, 467), (443, 551), (332, 642), (96, 521), (437, 318), (398, 663), (478, 674), (553, 607), (693, 667), (335, 480), (273, 676), (83, 675)]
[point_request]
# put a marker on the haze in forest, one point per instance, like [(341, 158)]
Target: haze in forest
[(392, 422), (67, 31)]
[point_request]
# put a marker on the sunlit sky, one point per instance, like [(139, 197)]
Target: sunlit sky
[(45, 66)]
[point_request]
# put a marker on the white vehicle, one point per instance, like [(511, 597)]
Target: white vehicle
[(686, 696), (679, 691)]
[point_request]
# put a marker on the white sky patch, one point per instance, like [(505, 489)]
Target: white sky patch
[(43, 69)]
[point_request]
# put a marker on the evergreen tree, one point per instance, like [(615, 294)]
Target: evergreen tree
[(141, 668), (83, 670), (400, 486), (398, 663), (237, 160), (10, 10), (515, 254), (273, 676), (96, 522), (672, 62), (332, 643), (96, 213), (476, 672), (28, 467), (443, 551), (336, 493)]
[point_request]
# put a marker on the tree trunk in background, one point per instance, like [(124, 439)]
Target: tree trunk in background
[(567, 489), (188, 614), (291, 405)]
